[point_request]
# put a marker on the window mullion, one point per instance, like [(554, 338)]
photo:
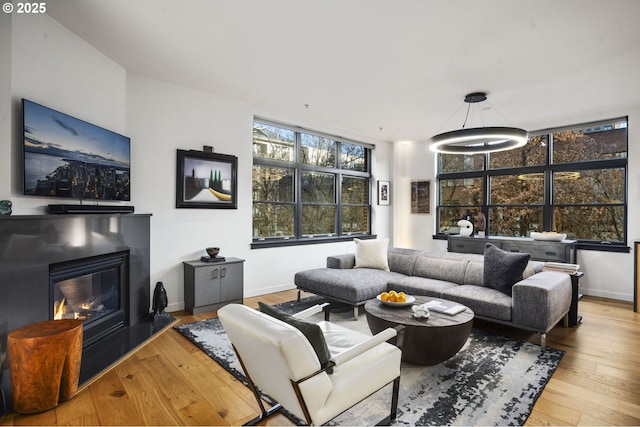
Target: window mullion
[(338, 203), (486, 198), (547, 210), (298, 192)]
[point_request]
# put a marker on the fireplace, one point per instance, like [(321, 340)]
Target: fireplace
[(93, 290), (44, 255)]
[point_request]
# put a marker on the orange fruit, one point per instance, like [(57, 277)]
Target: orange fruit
[(384, 296), (393, 297), (401, 297)]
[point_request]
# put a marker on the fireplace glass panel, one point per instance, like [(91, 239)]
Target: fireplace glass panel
[(92, 290), (87, 297)]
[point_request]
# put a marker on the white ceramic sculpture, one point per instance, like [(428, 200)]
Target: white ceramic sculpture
[(420, 312), (466, 228)]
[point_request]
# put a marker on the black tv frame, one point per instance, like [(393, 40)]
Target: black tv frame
[(57, 137)]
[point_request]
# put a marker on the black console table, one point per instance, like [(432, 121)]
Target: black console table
[(540, 250)]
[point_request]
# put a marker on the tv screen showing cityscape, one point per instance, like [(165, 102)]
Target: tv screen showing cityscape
[(68, 157)]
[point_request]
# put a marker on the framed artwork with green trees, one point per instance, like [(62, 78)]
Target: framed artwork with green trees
[(206, 180)]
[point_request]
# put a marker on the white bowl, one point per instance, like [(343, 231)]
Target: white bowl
[(410, 300), (555, 237)]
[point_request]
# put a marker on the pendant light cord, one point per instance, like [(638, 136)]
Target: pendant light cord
[(450, 117), (499, 113), (464, 124)]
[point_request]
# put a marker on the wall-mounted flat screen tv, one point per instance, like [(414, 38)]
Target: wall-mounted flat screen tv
[(68, 157)]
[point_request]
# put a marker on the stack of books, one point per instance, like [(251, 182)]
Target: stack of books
[(447, 307), (561, 266)]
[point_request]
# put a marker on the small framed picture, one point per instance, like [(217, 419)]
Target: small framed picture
[(420, 197), (384, 193), (206, 180)]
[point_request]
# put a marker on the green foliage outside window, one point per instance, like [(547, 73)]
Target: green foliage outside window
[(308, 185)]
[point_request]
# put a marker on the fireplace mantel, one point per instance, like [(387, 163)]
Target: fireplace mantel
[(30, 243)]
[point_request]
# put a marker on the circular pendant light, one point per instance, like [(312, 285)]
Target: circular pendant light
[(478, 140)]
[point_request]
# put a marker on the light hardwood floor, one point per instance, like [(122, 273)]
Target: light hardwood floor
[(169, 381)]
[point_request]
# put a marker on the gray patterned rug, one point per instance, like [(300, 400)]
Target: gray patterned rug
[(492, 381)]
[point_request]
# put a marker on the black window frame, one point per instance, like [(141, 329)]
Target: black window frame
[(298, 167), (547, 169)]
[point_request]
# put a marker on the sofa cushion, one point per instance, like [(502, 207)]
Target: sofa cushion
[(402, 260), (475, 271), (414, 285), (372, 254), (355, 286), (441, 268), (483, 301), (533, 267), (341, 261), (503, 269), (311, 331)]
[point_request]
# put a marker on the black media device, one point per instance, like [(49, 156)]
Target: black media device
[(88, 209)]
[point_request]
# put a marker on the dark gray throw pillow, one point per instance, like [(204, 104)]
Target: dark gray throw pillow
[(503, 269), (310, 330)]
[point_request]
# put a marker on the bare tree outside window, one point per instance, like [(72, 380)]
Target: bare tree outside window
[(307, 185), (355, 204), (273, 207), (318, 151), (353, 157), (570, 180), (270, 142), (458, 198)]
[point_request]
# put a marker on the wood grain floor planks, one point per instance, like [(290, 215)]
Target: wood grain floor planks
[(169, 381)]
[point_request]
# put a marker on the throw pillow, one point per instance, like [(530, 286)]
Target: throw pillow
[(503, 269), (311, 331), (372, 254)]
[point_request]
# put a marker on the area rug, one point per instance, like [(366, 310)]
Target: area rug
[(493, 380)]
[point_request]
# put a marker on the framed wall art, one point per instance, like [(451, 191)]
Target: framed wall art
[(421, 197), (206, 180), (384, 193)]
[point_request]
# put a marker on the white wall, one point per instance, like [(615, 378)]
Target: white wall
[(163, 117), (5, 106), (52, 66), (413, 162), (607, 274)]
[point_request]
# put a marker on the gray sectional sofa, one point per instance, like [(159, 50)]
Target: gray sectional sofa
[(538, 302)]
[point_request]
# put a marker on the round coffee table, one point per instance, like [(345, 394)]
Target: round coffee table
[(426, 341)]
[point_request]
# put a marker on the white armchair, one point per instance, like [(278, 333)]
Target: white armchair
[(279, 360)]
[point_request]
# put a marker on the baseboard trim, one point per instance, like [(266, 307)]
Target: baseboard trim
[(605, 294)]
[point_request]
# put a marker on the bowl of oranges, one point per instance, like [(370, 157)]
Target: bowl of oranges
[(395, 299)]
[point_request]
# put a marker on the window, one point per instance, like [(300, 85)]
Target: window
[(571, 180), (308, 186)]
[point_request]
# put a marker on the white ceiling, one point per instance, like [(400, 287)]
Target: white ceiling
[(384, 69)]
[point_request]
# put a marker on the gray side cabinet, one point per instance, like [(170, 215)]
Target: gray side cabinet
[(210, 285)]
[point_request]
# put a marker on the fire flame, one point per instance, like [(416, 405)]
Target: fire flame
[(59, 309)]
